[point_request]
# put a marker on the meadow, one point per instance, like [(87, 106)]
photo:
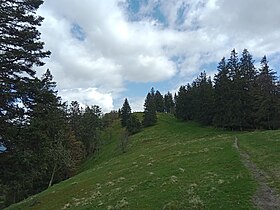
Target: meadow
[(172, 165)]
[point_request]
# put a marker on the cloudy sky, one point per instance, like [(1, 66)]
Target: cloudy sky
[(104, 51)]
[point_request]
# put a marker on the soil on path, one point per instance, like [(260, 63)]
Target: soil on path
[(265, 198)]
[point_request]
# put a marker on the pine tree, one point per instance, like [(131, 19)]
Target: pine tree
[(133, 125), (90, 129), (222, 95), (21, 49), (267, 100), (185, 103), (159, 102), (247, 86), (168, 103), (203, 99), (150, 117), (125, 113)]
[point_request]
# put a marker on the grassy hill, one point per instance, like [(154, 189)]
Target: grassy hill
[(173, 165)]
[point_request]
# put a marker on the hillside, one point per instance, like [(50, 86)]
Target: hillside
[(173, 165)]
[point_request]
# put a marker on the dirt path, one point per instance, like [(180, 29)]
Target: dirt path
[(265, 198)]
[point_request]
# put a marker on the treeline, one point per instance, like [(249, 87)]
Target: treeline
[(240, 97), (154, 102), (47, 142)]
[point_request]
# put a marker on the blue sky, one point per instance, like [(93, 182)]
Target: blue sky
[(105, 51)]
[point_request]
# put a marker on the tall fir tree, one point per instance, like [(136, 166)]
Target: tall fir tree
[(21, 50), (267, 97), (125, 113), (222, 95), (150, 117), (159, 102), (182, 110), (168, 103), (247, 88), (203, 99)]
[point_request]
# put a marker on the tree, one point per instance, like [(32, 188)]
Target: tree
[(91, 125), (246, 86), (222, 95), (125, 113), (133, 125), (40, 149), (159, 102), (168, 103), (150, 117), (267, 97), (203, 99), (21, 49)]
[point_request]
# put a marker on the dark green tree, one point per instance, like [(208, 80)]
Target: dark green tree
[(222, 95), (133, 125), (169, 104), (21, 50), (267, 97), (203, 99), (150, 117), (184, 103), (246, 87), (159, 102), (91, 125), (125, 113)]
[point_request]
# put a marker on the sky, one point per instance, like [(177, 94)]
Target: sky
[(106, 51)]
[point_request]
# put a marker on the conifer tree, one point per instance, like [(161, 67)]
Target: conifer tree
[(159, 102), (203, 99), (21, 49), (222, 95), (183, 103), (150, 117), (246, 86), (133, 125), (125, 113), (168, 103), (267, 97)]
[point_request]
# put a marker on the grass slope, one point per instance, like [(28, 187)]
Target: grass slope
[(173, 165)]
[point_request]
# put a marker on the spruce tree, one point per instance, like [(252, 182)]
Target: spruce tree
[(168, 103), (125, 113), (203, 99), (150, 117), (21, 50), (222, 95), (267, 97), (246, 87), (133, 125), (181, 103), (159, 102)]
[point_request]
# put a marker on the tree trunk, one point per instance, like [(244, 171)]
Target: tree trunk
[(53, 172)]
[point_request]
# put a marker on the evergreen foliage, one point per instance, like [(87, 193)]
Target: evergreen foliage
[(150, 117), (159, 102), (133, 125), (44, 141), (125, 113), (169, 104), (241, 97)]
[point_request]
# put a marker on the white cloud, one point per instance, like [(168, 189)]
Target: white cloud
[(89, 97), (116, 50)]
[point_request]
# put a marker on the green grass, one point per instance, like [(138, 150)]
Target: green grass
[(264, 150), (173, 165)]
